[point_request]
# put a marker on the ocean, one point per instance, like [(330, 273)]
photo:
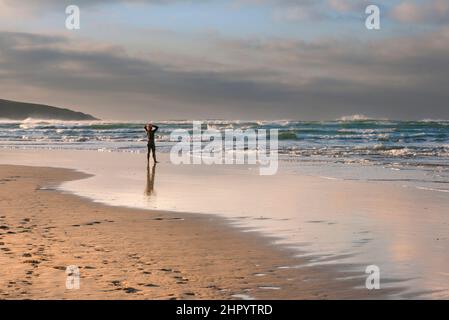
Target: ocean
[(419, 148)]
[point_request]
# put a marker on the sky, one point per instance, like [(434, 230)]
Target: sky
[(234, 59)]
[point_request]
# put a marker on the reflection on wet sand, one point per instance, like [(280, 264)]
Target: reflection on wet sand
[(150, 180), (401, 229)]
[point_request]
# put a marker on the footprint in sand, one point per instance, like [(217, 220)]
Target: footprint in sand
[(62, 268), (89, 268), (119, 285), (116, 283), (34, 263), (181, 280), (131, 290), (189, 294), (92, 223)]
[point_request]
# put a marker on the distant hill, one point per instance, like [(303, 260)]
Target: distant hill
[(20, 111)]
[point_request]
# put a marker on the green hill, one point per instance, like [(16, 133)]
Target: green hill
[(20, 111)]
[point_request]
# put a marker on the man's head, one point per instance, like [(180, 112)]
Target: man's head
[(149, 126)]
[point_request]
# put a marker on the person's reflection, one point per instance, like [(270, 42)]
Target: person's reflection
[(150, 180)]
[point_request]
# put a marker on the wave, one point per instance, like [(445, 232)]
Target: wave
[(354, 117), (351, 138), (288, 135), (443, 121), (432, 189)]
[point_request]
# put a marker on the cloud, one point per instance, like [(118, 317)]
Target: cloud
[(65, 3), (352, 6), (429, 12), (433, 11), (289, 10), (56, 64), (340, 5), (269, 78), (29, 8)]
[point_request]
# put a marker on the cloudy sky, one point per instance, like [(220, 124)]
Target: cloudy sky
[(232, 59)]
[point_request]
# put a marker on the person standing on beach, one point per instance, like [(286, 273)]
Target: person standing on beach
[(151, 129)]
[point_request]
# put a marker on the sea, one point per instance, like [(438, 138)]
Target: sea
[(418, 148)]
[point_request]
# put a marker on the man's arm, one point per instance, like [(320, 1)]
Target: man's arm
[(155, 128)]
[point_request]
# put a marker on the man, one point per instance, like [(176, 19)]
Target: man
[(151, 129)]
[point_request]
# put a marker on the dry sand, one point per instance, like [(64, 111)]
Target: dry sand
[(136, 254)]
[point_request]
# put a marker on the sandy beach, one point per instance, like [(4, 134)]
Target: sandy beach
[(170, 233), (136, 254)]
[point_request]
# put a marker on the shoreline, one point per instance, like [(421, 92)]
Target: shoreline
[(128, 253), (337, 224)]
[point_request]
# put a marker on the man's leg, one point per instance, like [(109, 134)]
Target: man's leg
[(148, 155), (153, 149)]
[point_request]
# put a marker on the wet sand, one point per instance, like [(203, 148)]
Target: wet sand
[(139, 254), (347, 223)]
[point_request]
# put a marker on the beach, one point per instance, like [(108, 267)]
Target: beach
[(171, 233), (135, 254)]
